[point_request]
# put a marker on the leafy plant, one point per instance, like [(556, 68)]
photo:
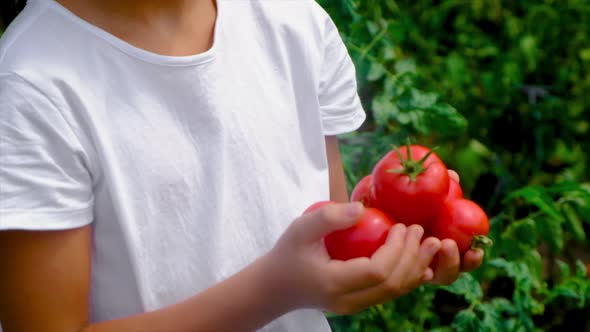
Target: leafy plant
[(500, 87)]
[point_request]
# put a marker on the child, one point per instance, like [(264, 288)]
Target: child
[(156, 156)]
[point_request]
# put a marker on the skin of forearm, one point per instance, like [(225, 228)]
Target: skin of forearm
[(338, 189), (246, 302)]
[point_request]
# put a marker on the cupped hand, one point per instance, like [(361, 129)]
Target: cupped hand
[(304, 272)]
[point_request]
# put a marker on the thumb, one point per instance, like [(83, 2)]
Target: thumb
[(330, 218)]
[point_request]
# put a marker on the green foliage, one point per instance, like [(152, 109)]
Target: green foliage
[(501, 88), (8, 11)]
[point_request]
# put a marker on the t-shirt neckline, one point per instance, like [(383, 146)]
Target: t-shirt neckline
[(145, 55)]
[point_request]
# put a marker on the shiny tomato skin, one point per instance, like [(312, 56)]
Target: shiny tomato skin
[(361, 240), (362, 191), (460, 220), (455, 190), (404, 200)]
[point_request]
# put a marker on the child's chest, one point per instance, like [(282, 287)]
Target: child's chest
[(173, 133)]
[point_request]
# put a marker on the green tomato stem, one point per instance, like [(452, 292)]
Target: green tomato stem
[(410, 167), (481, 241)]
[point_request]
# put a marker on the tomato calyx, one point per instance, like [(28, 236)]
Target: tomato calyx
[(481, 241), (410, 167)]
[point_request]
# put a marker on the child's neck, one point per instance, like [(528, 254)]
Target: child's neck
[(170, 27)]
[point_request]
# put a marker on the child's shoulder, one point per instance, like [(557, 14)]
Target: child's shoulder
[(35, 40), (291, 14), (294, 7), (290, 23)]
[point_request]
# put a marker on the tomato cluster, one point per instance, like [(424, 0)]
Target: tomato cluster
[(409, 185)]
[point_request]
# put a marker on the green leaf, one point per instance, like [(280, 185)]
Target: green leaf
[(549, 226), (538, 197), (502, 305), (525, 230), (466, 286), (405, 66), (465, 321), (492, 320), (388, 53), (515, 270), (585, 54), (574, 222), (376, 71), (576, 290), (396, 32), (529, 46), (372, 27), (445, 119), (384, 110), (580, 269), (534, 261), (552, 232), (416, 99), (564, 269), (577, 196), (457, 69)]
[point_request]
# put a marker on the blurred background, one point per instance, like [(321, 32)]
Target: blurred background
[(502, 88)]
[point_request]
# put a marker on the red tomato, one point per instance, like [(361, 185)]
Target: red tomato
[(409, 189), (362, 191), (465, 222), (361, 240), (455, 190)]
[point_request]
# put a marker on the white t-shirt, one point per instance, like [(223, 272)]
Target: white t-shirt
[(188, 168)]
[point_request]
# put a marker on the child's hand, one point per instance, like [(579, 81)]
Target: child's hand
[(448, 266), (307, 276)]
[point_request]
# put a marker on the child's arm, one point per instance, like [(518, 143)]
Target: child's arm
[(338, 189), (44, 287), (45, 277)]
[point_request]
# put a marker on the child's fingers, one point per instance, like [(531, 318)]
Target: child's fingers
[(411, 249), (428, 249), (361, 273), (448, 264), (389, 254), (472, 260), (395, 284), (454, 175), (405, 275), (349, 276), (428, 275)]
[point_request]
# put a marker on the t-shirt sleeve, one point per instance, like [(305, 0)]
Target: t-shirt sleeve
[(45, 183), (340, 105)]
